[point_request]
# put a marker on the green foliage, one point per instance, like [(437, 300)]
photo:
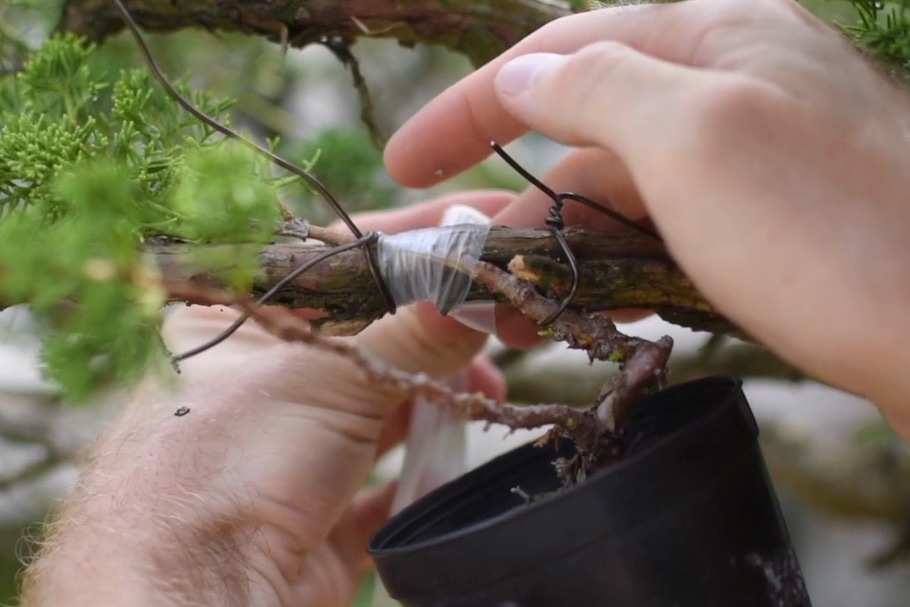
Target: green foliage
[(87, 276), (93, 163), (883, 30), (216, 207), (578, 5)]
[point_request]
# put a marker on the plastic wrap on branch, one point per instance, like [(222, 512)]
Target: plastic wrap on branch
[(434, 264), (618, 270)]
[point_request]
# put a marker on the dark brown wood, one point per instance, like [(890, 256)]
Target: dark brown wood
[(479, 29)]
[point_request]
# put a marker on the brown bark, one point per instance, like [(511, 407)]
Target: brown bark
[(618, 271), (594, 431), (479, 29)]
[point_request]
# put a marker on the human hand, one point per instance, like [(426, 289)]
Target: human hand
[(253, 496), (772, 158)]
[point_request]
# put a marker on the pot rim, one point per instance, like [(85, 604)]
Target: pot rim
[(730, 404)]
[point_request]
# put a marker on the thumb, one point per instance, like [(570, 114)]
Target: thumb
[(606, 94), (412, 342)]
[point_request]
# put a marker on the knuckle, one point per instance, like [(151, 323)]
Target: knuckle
[(587, 76), (719, 118), (724, 105), (596, 63)]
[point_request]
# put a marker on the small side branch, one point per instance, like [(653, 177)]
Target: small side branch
[(643, 372), (342, 50), (643, 362), (597, 335)]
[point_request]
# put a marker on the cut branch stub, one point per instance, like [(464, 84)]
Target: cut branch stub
[(618, 271)]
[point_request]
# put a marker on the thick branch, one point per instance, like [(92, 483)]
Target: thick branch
[(618, 271), (596, 334), (480, 29)]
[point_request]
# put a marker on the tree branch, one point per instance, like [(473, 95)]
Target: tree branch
[(479, 29), (617, 271), (643, 364), (597, 432), (578, 384), (284, 325)]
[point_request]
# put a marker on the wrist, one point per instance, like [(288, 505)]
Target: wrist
[(134, 533), (106, 549)]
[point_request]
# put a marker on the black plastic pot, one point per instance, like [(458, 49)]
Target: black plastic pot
[(687, 519)]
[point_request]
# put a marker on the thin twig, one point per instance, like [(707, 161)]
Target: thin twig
[(644, 371), (285, 325), (643, 362), (290, 328), (341, 48), (596, 334), (329, 236)]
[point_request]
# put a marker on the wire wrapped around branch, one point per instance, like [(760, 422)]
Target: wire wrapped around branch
[(618, 270)]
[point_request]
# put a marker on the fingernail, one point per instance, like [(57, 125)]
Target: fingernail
[(516, 76)]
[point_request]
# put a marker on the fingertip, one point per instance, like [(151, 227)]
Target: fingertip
[(412, 155), (451, 134), (398, 155), (430, 213), (511, 327), (517, 76)]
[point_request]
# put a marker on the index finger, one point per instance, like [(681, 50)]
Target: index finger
[(453, 132), (429, 214)]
